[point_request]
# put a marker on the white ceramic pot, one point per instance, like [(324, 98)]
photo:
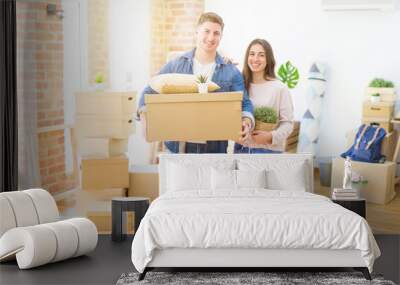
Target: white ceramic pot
[(375, 99), (202, 87)]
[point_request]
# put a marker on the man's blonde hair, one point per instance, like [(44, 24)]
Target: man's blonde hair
[(211, 17)]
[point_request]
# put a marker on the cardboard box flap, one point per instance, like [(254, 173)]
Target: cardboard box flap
[(193, 97)]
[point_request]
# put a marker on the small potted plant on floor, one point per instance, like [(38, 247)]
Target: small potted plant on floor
[(202, 84), (266, 118), (382, 89)]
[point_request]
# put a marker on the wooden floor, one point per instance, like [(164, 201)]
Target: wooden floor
[(383, 219)]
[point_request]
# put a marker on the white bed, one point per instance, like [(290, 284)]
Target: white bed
[(214, 211)]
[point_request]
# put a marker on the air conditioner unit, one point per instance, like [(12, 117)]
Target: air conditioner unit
[(359, 5)]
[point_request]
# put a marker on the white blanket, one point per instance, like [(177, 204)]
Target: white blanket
[(250, 219)]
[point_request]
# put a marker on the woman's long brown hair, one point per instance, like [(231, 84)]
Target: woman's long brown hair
[(269, 71)]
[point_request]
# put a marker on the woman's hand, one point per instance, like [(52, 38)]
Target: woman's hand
[(262, 137), (244, 135)]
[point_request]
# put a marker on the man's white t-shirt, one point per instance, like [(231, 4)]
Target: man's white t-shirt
[(203, 69)]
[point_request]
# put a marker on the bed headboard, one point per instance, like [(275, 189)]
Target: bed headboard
[(211, 159)]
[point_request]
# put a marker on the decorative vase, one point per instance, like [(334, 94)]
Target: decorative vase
[(202, 87)]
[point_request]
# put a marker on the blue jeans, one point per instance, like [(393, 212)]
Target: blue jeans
[(209, 147), (242, 149)]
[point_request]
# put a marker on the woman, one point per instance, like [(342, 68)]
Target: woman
[(266, 90)]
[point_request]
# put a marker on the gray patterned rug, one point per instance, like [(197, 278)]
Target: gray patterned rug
[(270, 278)]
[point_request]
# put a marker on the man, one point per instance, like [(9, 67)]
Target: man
[(205, 60)]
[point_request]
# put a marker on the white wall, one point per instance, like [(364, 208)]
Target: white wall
[(129, 39), (357, 46)]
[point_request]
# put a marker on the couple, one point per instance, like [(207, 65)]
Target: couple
[(258, 83)]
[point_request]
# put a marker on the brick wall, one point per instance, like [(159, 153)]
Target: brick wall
[(173, 26), (98, 39), (40, 61)]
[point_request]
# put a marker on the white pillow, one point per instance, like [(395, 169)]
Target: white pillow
[(223, 179), (251, 179), (281, 174), (293, 180), (193, 174), (182, 177), (174, 83)]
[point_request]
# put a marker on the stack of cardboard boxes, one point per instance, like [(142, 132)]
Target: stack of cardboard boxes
[(104, 121), (380, 188), (378, 113)]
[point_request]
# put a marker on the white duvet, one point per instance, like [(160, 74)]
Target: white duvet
[(250, 219)]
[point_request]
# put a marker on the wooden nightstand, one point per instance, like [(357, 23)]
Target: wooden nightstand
[(357, 205)]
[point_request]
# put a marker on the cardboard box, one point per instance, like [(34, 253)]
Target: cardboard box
[(382, 110), (103, 222), (383, 123), (107, 194), (111, 126), (105, 103), (102, 147), (143, 181), (388, 143), (104, 173), (200, 117), (387, 94), (380, 176)]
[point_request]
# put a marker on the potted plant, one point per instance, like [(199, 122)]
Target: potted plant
[(384, 89), (266, 118), (375, 97), (358, 182), (202, 84), (99, 80)]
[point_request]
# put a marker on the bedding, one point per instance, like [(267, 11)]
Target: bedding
[(250, 218)]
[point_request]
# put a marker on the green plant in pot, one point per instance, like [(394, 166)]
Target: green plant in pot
[(99, 80), (202, 84), (380, 89), (266, 118), (375, 97)]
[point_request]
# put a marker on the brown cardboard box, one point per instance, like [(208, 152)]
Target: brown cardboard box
[(382, 110), (102, 220), (101, 125), (102, 147), (380, 176), (387, 94), (383, 123), (104, 173), (388, 143), (105, 103), (143, 181), (201, 117), (107, 194)]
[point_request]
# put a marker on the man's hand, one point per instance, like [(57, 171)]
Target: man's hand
[(262, 137)]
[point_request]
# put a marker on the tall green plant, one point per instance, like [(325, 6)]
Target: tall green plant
[(289, 74)]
